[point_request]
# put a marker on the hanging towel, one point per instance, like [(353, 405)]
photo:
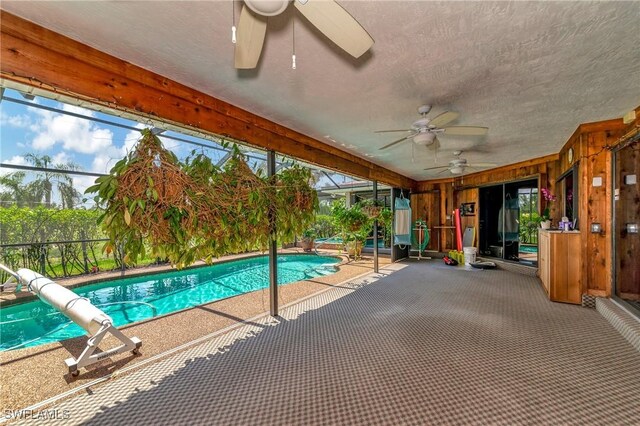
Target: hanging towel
[(402, 223)]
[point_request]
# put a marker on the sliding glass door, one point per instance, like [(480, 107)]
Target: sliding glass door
[(508, 221)]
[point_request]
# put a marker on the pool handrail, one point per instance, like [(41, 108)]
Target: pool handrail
[(14, 275)]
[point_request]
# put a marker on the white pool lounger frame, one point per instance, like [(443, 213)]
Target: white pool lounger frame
[(82, 312)]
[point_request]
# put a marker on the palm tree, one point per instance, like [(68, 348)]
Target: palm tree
[(16, 190), (19, 193), (42, 186)]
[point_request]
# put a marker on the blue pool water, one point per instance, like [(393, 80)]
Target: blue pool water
[(528, 249), (338, 240), (163, 293), (333, 240)]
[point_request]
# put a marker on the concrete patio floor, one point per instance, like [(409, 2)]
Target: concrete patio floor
[(425, 344)]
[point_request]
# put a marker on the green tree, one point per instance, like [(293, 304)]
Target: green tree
[(42, 186), (15, 192)]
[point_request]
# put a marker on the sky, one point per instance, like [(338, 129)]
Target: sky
[(92, 146)]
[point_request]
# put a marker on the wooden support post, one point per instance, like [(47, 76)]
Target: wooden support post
[(273, 248)]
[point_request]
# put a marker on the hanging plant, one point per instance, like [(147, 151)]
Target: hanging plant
[(147, 196), (195, 210), (371, 208), (295, 202)]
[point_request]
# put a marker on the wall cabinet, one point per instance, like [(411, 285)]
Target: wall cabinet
[(559, 265)]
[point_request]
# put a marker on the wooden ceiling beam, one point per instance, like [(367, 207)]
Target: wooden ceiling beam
[(40, 57)]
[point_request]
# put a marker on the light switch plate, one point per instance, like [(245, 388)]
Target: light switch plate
[(597, 181), (630, 180)]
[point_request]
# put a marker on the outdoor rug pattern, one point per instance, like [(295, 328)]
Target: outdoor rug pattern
[(426, 344)]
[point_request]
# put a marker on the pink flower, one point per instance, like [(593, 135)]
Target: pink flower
[(548, 196)]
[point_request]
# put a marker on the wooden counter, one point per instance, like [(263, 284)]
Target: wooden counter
[(559, 265)]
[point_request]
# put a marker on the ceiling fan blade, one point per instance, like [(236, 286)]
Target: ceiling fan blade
[(483, 165), (466, 130), (250, 38), (443, 171), (444, 119), (392, 131), (396, 142), (436, 168), (337, 24)]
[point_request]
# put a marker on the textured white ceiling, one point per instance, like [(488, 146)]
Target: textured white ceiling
[(530, 71)]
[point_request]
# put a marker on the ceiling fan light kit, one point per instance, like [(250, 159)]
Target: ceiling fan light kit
[(458, 165), (424, 131), (424, 139)]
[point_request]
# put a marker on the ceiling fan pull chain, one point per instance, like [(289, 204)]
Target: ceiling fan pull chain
[(233, 22), (293, 38), (413, 153)]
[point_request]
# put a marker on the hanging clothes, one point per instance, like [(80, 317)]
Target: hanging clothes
[(508, 226), (402, 222)]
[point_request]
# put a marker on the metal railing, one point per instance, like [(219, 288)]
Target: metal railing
[(59, 259)]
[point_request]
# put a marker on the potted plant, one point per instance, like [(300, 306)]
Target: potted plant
[(308, 239), (385, 222), (545, 218), (371, 208), (354, 226), (354, 243)]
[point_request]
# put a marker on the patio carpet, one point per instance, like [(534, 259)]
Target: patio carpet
[(426, 344)]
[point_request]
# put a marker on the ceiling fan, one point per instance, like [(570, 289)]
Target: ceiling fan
[(424, 131), (327, 16), (458, 165)]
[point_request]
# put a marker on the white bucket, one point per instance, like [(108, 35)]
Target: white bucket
[(469, 255)]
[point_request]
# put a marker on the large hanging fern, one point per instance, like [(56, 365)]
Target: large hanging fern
[(196, 210)]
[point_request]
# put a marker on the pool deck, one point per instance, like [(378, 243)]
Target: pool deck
[(420, 343), (37, 373)]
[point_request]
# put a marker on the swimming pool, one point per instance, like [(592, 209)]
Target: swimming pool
[(36, 323), (338, 241), (332, 240), (528, 249)]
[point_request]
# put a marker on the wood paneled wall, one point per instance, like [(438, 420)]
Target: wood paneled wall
[(433, 201), (591, 143), (427, 208), (627, 211), (453, 192)]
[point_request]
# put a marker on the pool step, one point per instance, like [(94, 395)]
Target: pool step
[(621, 320)]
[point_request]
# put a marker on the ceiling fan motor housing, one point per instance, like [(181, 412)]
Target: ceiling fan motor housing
[(267, 7), (424, 109)]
